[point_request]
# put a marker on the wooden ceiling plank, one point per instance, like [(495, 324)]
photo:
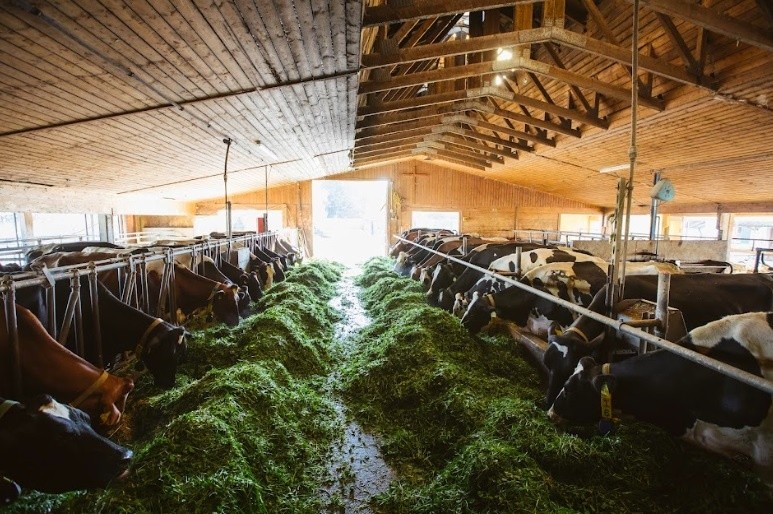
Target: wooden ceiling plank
[(375, 153), (676, 38), (766, 9), (713, 21), (380, 147), (397, 127), (388, 14), (407, 152), (600, 22)]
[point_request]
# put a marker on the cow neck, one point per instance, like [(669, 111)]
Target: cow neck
[(90, 390), (6, 406), (140, 348)]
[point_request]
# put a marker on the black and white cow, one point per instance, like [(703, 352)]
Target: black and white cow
[(576, 282), (688, 400), (701, 298), (51, 447)]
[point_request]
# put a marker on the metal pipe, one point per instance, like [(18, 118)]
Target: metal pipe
[(95, 317), (144, 284), (620, 325), (172, 293), (654, 210), (661, 307), (51, 309), (13, 337), (518, 257)]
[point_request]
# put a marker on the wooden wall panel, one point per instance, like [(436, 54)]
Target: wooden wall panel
[(486, 206)]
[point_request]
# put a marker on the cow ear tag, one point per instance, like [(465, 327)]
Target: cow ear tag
[(607, 422)]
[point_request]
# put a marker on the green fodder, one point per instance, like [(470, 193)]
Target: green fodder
[(375, 269), (319, 276), (461, 422), (247, 427)]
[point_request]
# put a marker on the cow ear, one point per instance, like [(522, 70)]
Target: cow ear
[(600, 380), (554, 330), (587, 363), (234, 287)]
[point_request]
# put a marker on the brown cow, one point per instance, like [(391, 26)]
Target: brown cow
[(49, 368)]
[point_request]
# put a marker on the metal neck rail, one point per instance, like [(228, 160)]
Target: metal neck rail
[(621, 326), (47, 278)]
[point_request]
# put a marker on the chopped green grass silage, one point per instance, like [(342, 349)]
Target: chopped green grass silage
[(462, 424), (248, 426)]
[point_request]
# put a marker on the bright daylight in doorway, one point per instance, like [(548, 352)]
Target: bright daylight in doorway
[(349, 219)]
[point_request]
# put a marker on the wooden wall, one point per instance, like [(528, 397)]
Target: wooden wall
[(486, 206)]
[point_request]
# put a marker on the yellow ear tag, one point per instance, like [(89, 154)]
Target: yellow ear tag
[(104, 417)]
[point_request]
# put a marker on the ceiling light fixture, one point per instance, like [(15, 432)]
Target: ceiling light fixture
[(265, 150), (504, 54)]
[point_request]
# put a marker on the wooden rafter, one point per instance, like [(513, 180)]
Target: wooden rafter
[(517, 63), (483, 137), (767, 9), (489, 155), (388, 14), (449, 158), (395, 148), (539, 35), (553, 52), (713, 21), (516, 133), (385, 146), (456, 139), (407, 134), (678, 41), (456, 154), (521, 118)]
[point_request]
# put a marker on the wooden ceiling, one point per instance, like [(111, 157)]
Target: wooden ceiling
[(538, 93), (133, 98)]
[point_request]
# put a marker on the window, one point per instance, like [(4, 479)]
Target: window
[(699, 227), (435, 219), (46, 225), (586, 223)]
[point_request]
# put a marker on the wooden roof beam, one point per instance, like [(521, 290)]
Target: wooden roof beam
[(676, 39), (431, 152), (713, 21), (462, 156), (483, 137), (516, 63), (389, 14), (385, 157), (461, 150), (539, 35), (382, 130), (378, 153), (451, 137), (386, 145), (387, 110), (516, 133), (489, 155), (364, 141)]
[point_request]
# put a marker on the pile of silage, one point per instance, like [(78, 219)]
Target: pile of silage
[(461, 422), (248, 426)]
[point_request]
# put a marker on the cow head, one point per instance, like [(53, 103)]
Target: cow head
[(252, 283), (107, 400), (478, 314), (279, 274), (561, 358), (165, 349), (225, 304), (445, 300), (580, 399), (442, 277), (51, 447), (244, 301)]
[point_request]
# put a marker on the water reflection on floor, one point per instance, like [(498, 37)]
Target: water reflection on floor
[(356, 470)]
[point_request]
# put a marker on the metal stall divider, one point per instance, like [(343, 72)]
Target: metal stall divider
[(95, 317), (13, 335)]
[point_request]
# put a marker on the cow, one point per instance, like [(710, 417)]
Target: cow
[(51, 447), (194, 293), (701, 298), (207, 268), (687, 399), (49, 368), (76, 246), (248, 280), (576, 282), (480, 256)]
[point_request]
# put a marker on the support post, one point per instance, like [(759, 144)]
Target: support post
[(95, 318), (13, 336), (518, 267), (661, 307)]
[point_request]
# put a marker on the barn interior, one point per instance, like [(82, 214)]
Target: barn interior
[(344, 123)]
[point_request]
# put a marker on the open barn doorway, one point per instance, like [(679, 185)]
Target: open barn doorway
[(349, 219)]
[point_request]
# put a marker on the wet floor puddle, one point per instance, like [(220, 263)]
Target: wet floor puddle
[(356, 469)]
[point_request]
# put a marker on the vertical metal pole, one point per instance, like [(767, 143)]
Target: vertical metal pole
[(661, 308), (464, 245), (75, 284), (144, 283), (654, 210), (51, 309), (13, 337), (518, 253), (95, 317), (632, 151), (172, 292), (227, 142)]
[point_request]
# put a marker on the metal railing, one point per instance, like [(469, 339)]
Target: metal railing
[(621, 326), (47, 277), (15, 250)]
